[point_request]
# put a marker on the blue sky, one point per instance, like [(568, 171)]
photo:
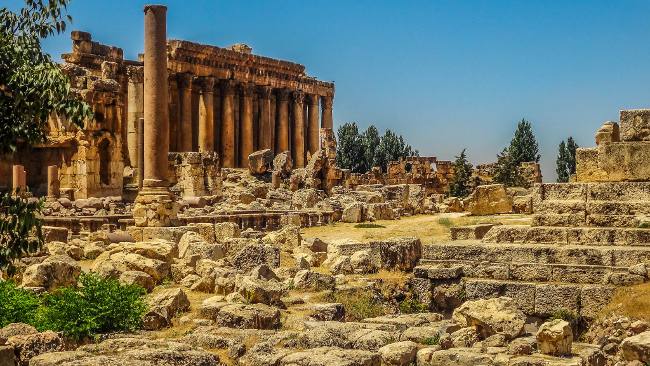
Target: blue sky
[(446, 75)]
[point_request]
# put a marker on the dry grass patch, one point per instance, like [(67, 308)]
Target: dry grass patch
[(630, 301), (358, 304)]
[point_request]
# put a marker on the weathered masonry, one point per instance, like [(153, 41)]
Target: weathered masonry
[(223, 100)]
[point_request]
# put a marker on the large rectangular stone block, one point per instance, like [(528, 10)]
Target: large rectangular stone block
[(551, 298), (593, 299), (522, 293), (506, 234), (546, 235), (635, 125)]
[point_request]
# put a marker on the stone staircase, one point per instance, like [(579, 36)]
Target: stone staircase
[(586, 239)]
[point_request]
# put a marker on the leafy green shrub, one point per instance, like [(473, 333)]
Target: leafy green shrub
[(369, 226), (358, 304), (101, 305), (431, 341), (567, 316), (446, 221), (412, 305), (16, 305), (644, 225)]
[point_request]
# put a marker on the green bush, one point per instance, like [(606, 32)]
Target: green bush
[(412, 305), (567, 316), (100, 305), (369, 226), (16, 305), (431, 341)]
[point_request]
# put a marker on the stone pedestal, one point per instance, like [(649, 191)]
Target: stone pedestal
[(156, 207), (19, 179)]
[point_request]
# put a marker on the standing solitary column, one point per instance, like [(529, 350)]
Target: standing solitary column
[(298, 143), (184, 81), (312, 124), (53, 185), (19, 179), (282, 134), (265, 135), (206, 114), (135, 110), (227, 124), (326, 107), (246, 118), (156, 110)]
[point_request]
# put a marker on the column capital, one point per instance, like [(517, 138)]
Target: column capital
[(155, 8), (283, 94), (206, 83), (298, 97), (184, 80), (227, 87), (326, 102), (135, 74), (247, 90), (264, 91), (313, 99)]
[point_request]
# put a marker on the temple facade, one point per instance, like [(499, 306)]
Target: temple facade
[(226, 101)]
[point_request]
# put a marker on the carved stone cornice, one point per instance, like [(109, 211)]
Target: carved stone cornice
[(246, 90), (135, 74), (298, 97), (326, 102), (313, 99), (283, 94), (184, 80), (227, 87), (264, 92), (206, 83)]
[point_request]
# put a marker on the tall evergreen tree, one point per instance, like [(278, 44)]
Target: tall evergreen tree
[(349, 153), (566, 160), (459, 186), (508, 172), (370, 140), (523, 147), (571, 147)]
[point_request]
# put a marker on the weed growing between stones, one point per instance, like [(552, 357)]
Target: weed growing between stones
[(358, 304)]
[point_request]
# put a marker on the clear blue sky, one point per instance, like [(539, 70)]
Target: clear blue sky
[(446, 75)]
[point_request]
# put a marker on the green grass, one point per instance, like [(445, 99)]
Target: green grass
[(431, 341), (412, 305), (369, 226), (446, 222), (643, 225)]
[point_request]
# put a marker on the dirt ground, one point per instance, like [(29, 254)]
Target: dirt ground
[(429, 228)]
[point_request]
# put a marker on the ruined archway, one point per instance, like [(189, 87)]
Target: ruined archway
[(104, 162)]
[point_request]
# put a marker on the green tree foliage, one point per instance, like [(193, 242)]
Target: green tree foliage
[(32, 85), (31, 88), (362, 152), (349, 152), (523, 147), (20, 229), (508, 172), (566, 160), (459, 186)]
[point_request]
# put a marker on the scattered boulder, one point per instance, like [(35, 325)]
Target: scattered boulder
[(636, 347), (255, 290), (310, 280), (488, 200), (260, 161), (55, 271), (252, 255), (137, 278), (341, 265), (361, 262), (555, 338), (29, 346), (493, 316), (163, 307), (283, 163), (257, 316), (398, 353)]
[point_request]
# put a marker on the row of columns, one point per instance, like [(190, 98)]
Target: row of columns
[(283, 131)]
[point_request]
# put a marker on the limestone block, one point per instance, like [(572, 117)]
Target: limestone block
[(608, 133), (55, 271), (171, 234), (226, 230), (260, 161), (493, 316), (523, 294), (593, 299), (636, 347), (470, 232), (253, 255), (489, 200), (635, 125), (625, 161), (555, 338), (206, 230), (399, 353), (51, 234), (506, 234), (400, 253), (283, 163), (550, 298), (353, 213)]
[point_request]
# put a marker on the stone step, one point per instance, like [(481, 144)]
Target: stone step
[(537, 272), (594, 236), (474, 250)]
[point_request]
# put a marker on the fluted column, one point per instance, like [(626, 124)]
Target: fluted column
[(184, 81), (156, 112), (206, 113), (227, 124), (282, 134), (246, 118), (298, 143), (326, 108), (312, 124), (266, 127), (135, 110)]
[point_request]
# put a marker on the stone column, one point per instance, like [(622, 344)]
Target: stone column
[(227, 124), (184, 81), (156, 112), (313, 140), (266, 126), (282, 134), (326, 108), (246, 118), (140, 152), (19, 179), (135, 110), (53, 184), (298, 143), (206, 113), (155, 206)]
